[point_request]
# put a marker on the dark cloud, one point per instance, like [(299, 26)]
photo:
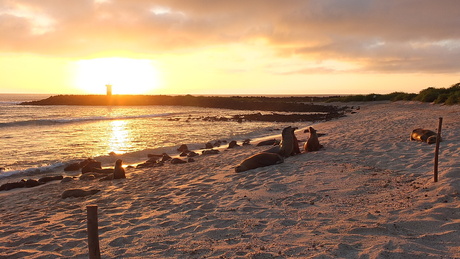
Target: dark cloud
[(393, 35)]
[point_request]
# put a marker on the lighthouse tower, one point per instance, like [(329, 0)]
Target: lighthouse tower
[(109, 90)]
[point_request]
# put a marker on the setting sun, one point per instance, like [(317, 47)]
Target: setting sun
[(127, 76)]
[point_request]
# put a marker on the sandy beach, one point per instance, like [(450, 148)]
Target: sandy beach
[(368, 194)]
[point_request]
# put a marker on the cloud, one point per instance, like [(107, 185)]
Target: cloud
[(388, 36)]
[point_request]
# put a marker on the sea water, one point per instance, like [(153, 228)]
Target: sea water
[(38, 140)]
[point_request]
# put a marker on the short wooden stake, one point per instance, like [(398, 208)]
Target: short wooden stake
[(93, 235), (436, 151)]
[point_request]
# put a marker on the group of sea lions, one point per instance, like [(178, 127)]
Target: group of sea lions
[(289, 146), (93, 170)]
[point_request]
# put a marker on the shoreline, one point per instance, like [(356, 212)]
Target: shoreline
[(286, 104), (369, 193)]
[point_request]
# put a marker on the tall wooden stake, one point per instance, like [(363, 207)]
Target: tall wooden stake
[(93, 235), (436, 151)]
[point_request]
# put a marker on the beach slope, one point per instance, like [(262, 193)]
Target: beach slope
[(368, 194)]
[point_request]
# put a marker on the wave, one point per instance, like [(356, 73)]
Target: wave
[(32, 171), (47, 122)]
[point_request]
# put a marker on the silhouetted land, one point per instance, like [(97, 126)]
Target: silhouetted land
[(284, 104), (297, 105)]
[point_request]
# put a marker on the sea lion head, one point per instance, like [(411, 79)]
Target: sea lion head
[(311, 130), (240, 168), (286, 131), (431, 140), (118, 162)]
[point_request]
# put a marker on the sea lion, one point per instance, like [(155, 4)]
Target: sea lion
[(259, 160), (312, 143), (287, 141), (233, 144), (270, 142), (424, 135), (118, 171), (295, 144), (78, 193), (289, 145)]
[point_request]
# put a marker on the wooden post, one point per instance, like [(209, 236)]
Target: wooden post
[(436, 151), (93, 235)]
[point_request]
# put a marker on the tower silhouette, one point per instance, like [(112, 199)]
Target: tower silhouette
[(109, 89)]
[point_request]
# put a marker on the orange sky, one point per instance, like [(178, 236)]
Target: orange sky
[(228, 47)]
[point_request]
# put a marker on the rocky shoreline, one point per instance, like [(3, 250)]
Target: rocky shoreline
[(300, 108)]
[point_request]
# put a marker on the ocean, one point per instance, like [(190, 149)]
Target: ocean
[(40, 140)]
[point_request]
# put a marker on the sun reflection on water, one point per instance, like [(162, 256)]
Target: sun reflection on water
[(120, 139)]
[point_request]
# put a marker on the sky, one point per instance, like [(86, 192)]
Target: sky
[(262, 47)]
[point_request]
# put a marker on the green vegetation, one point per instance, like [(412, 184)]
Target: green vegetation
[(447, 96)]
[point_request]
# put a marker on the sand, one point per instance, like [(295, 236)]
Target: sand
[(368, 194)]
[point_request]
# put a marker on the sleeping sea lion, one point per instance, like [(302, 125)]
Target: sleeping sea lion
[(270, 142), (424, 135), (259, 160), (118, 171), (287, 142), (312, 143)]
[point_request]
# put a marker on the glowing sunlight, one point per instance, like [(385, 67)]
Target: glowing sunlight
[(119, 137), (127, 76)]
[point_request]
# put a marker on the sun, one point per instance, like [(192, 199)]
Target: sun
[(126, 75)]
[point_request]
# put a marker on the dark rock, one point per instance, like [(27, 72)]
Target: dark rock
[(50, 178), (67, 179), (210, 152), (72, 167), (31, 183), (165, 157), (10, 186), (208, 145), (190, 160), (192, 154), (90, 166), (183, 148), (183, 154), (177, 161), (87, 177)]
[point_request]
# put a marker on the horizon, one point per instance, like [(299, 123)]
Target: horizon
[(254, 48)]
